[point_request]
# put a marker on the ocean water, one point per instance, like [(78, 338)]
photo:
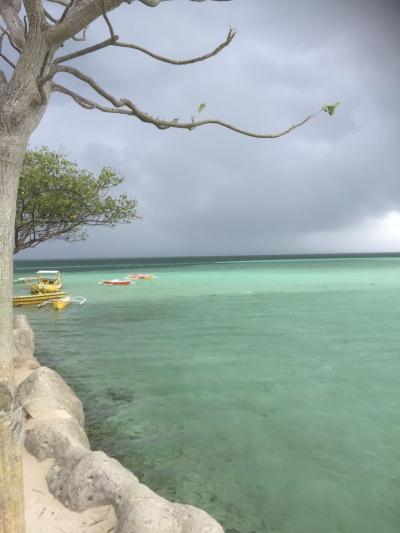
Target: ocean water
[(263, 391)]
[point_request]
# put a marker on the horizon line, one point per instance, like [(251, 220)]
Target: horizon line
[(269, 256)]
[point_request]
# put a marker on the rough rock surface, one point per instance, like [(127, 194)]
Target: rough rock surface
[(43, 391), (82, 479), (96, 480), (148, 515), (194, 520), (100, 480), (24, 344), (155, 514), (62, 439)]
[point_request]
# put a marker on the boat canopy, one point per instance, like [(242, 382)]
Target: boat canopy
[(48, 274)]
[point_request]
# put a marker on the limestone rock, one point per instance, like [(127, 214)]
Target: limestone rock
[(97, 480), (21, 322), (61, 439), (149, 515), (24, 343), (148, 512), (44, 392), (195, 520)]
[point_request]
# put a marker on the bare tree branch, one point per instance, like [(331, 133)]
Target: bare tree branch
[(35, 12), (86, 103), (84, 51), (65, 12), (60, 2), (82, 38), (114, 42), (5, 32), (127, 107), (105, 17), (58, 21), (44, 95), (7, 60), (3, 79), (50, 16), (231, 35), (82, 14), (9, 10), (150, 3)]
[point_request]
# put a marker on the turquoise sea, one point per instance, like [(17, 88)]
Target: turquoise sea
[(265, 391)]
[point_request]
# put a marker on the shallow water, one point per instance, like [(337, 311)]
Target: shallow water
[(265, 392)]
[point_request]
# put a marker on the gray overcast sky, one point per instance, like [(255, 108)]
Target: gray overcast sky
[(333, 185)]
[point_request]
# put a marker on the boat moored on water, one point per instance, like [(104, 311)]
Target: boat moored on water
[(115, 282), (47, 282), (44, 286), (142, 276), (35, 299), (62, 303)]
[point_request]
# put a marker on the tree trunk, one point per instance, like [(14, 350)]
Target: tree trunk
[(20, 111), (21, 108), (11, 487)]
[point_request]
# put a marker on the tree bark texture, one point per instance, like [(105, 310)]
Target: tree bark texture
[(21, 108), (11, 493)]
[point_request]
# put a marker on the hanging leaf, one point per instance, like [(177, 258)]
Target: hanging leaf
[(330, 108), (201, 107)]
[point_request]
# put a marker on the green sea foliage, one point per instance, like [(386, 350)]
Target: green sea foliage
[(57, 200)]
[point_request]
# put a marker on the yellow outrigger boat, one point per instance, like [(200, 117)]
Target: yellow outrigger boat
[(47, 282), (62, 303), (45, 286), (34, 299)]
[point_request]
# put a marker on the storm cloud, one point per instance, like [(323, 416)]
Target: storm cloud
[(330, 186)]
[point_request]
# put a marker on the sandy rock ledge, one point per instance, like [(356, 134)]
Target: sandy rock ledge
[(79, 478)]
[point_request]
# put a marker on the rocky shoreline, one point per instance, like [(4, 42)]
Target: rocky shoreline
[(79, 478)]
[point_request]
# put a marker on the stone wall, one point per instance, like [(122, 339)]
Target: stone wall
[(79, 477)]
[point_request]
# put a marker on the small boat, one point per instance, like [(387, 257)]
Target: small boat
[(141, 276), (47, 282), (115, 282), (34, 299), (62, 303)]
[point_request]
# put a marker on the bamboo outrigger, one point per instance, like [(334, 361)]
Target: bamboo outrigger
[(34, 299), (44, 286), (45, 281), (61, 303)]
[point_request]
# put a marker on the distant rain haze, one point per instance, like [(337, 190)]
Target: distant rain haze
[(333, 185)]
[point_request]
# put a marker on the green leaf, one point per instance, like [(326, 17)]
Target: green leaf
[(201, 107), (330, 108)]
